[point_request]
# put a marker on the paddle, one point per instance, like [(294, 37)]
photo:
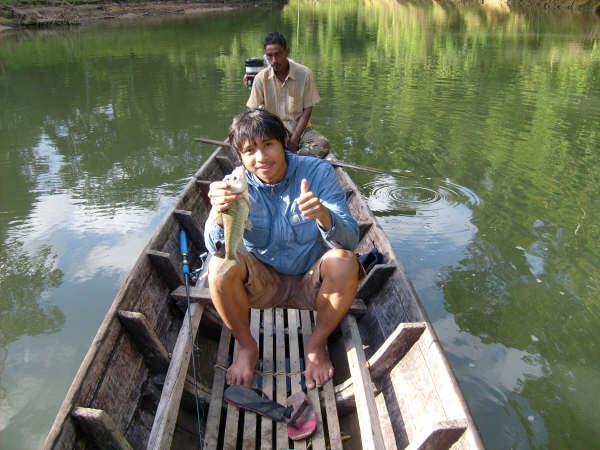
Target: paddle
[(333, 162), (185, 269)]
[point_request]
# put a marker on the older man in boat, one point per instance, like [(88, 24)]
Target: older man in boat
[(289, 90), (298, 250)]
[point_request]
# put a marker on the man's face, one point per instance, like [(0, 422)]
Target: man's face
[(277, 57), (265, 158)]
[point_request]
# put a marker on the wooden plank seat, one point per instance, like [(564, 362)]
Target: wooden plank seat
[(279, 374), (201, 294)]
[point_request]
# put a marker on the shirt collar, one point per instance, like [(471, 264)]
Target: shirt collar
[(291, 73)]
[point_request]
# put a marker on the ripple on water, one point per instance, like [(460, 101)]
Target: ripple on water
[(443, 207), (387, 196)]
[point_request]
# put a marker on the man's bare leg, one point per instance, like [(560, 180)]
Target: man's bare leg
[(339, 275), (231, 302)]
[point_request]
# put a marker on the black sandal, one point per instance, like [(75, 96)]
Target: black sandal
[(256, 401)]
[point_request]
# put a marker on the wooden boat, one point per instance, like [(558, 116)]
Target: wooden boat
[(393, 387)]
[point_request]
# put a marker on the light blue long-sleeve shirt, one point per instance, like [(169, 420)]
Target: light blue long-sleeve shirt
[(280, 235)]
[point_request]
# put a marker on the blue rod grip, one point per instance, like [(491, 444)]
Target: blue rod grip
[(183, 246)]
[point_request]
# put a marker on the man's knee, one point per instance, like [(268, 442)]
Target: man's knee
[(339, 264), (221, 281)]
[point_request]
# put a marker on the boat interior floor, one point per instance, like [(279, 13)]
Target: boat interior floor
[(281, 335)]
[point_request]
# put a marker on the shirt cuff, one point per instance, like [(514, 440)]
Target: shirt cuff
[(328, 235)]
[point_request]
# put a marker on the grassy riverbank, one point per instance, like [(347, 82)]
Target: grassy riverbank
[(45, 13)]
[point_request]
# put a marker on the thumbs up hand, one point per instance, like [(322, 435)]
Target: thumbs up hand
[(311, 207)]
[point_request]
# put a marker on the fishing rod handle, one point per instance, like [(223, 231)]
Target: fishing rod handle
[(183, 246)]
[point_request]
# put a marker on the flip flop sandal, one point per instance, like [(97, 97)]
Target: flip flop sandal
[(256, 401), (303, 420)]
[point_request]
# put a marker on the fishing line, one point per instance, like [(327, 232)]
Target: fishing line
[(185, 268)]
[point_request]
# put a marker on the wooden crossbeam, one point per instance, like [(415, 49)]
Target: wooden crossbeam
[(366, 408), (97, 424), (394, 348), (146, 340), (198, 294), (164, 265), (381, 362), (201, 294), (191, 227), (165, 419), (364, 227), (344, 397), (441, 437), (225, 163), (376, 278), (190, 389)]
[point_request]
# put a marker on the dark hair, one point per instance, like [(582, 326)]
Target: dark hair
[(275, 37), (255, 124)]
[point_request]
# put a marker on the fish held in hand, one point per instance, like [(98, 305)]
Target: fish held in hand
[(234, 219)]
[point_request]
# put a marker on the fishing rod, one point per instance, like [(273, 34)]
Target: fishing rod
[(185, 268), (333, 162)]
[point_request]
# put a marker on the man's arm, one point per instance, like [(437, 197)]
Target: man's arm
[(327, 206), (257, 94), (294, 140)]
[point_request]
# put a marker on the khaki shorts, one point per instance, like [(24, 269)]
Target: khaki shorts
[(268, 288)]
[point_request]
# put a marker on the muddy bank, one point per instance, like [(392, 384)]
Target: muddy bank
[(65, 14)]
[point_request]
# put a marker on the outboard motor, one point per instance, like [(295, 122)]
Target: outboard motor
[(253, 66)]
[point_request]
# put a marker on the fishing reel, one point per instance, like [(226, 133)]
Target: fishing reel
[(195, 273)]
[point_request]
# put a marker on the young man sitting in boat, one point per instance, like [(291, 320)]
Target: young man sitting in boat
[(298, 249)]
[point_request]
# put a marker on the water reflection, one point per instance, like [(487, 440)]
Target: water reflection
[(485, 119), (24, 279)]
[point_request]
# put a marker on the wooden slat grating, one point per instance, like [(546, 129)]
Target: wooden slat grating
[(211, 434), (266, 430), (294, 352), (281, 440), (231, 421), (249, 442), (280, 352), (318, 440)]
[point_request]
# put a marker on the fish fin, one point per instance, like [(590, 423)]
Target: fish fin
[(247, 224), (227, 266), (219, 219)]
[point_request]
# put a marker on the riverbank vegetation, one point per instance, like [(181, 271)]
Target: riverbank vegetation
[(47, 13)]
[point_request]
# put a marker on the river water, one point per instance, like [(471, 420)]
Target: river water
[(486, 120)]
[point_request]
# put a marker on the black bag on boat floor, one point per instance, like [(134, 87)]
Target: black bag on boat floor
[(370, 259)]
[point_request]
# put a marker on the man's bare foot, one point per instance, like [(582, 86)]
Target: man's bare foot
[(242, 369), (318, 367)]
